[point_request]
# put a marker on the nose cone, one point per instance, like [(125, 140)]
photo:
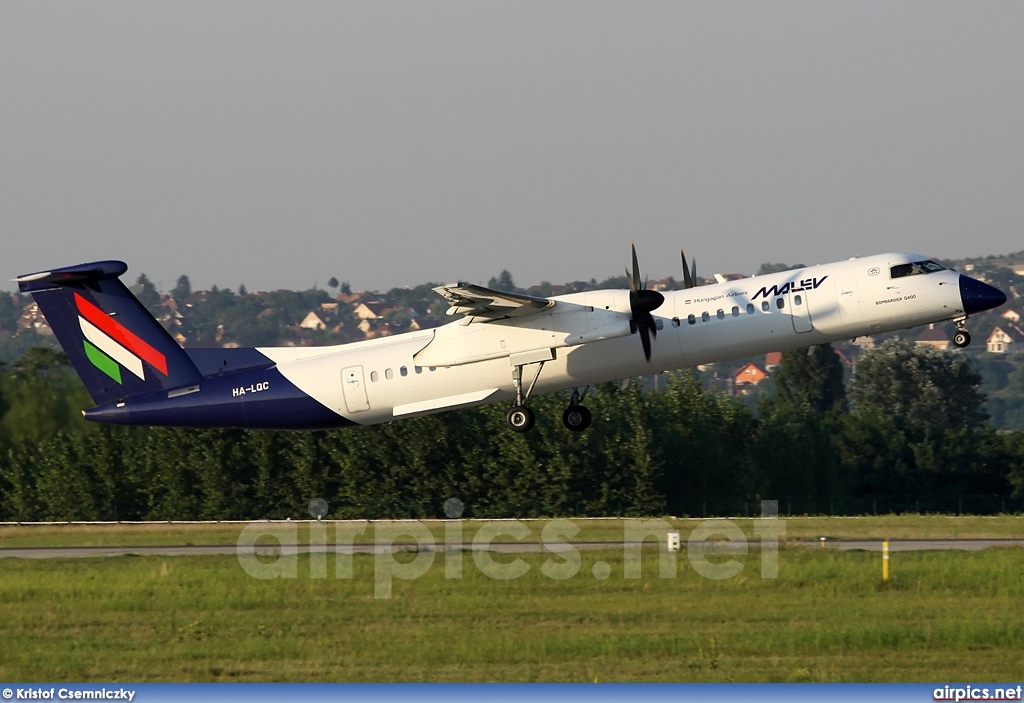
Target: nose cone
[(978, 297)]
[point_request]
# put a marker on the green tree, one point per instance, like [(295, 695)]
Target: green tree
[(918, 430), (18, 492), (707, 439), (1006, 402), (146, 292), (11, 306), (12, 349), (767, 268), (811, 378), (796, 455), (43, 397), (503, 282), (1014, 451), (182, 289), (1004, 279), (877, 455), (925, 387)]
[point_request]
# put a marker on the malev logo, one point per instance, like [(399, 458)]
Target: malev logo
[(790, 287)]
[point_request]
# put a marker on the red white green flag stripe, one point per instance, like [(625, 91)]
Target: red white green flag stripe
[(110, 345)]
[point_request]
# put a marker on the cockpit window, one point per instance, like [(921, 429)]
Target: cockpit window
[(915, 268)]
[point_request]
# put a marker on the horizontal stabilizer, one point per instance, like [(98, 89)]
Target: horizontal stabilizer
[(70, 275)]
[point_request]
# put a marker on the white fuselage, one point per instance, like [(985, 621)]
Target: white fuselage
[(585, 338)]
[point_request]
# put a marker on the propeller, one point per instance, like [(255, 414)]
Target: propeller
[(642, 303), (689, 274)]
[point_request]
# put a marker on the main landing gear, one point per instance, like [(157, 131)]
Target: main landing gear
[(520, 418), (961, 338)]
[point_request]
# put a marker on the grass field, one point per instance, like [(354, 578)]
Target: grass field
[(951, 616), (591, 530)]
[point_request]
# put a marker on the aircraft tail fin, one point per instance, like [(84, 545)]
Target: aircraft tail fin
[(115, 345)]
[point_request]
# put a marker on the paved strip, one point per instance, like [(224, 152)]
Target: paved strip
[(274, 550), (711, 547), (916, 545)]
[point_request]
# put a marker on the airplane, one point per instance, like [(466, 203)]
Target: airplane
[(505, 347)]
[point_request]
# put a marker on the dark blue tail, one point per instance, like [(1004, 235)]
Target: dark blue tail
[(115, 345)]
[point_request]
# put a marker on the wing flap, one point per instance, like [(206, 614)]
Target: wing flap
[(478, 301)]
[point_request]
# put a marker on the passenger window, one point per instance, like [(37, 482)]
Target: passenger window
[(675, 321), (705, 317), (389, 374), (659, 324), (404, 371), (373, 376), (720, 314), (691, 319), (765, 306), (780, 303), (735, 311), (750, 308), (419, 369), (797, 300)]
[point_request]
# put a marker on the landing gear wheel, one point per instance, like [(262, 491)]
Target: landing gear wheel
[(961, 339), (576, 418), (520, 418)]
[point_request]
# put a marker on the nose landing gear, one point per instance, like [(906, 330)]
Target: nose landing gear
[(961, 338)]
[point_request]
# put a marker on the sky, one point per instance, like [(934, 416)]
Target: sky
[(395, 143)]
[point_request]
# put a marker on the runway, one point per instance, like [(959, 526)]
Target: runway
[(709, 547), (919, 545)]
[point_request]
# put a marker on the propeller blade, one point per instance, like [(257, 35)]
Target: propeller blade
[(687, 279), (645, 339), (635, 283), (642, 303), (693, 271), (649, 321)]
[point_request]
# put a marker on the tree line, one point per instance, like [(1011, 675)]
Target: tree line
[(907, 434)]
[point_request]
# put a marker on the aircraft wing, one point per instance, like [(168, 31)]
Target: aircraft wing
[(478, 301)]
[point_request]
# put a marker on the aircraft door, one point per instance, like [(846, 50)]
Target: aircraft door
[(798, 311), (848, 300), (354, 388)]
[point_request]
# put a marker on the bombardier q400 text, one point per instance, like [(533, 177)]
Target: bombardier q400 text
[(506, 346)]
